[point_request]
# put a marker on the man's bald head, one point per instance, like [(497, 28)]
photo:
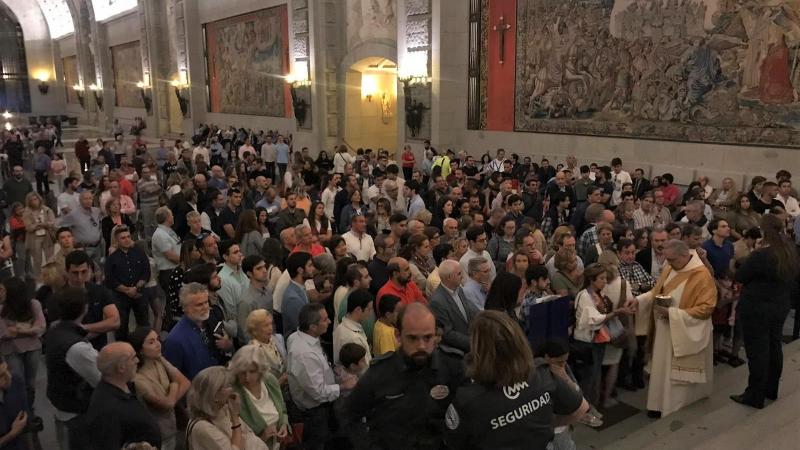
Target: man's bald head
[(416, 314), (117, 361), (607, 216)]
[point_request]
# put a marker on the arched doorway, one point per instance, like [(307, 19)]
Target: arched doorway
[(371, 104), (14, 90)]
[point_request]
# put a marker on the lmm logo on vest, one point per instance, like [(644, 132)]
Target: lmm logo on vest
[(512, 392)]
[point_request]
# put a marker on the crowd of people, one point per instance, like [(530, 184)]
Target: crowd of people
[(351, 300)]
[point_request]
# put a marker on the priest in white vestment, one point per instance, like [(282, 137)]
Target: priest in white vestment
[(681, 361)]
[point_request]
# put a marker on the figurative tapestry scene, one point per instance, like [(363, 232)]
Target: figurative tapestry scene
[(374, 19), (247, 61), (71, 77), (126, 60), (717, 71)]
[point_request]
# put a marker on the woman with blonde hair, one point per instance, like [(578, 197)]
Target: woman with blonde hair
[(40, 227), (260, 327), (567, 278), (506, 378), (214, 409), (53, 278), (114, 219), (262, 405)]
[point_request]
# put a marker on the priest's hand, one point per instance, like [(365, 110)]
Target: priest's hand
[(661, 312), (632, 304)]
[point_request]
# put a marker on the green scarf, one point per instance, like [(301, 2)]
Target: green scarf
[(250, 414)]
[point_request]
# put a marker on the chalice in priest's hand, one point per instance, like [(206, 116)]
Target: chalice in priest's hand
[(664, 300)]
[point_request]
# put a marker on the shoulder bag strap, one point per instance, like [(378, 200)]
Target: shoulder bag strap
[(623, 288), (189, 429)]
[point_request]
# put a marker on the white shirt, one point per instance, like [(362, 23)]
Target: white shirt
[(349, 332), (280, 289), (311, 379), (328, 198), (618, 179), (341, 159), (264, 405), (362, 248), (246, 148), (268, 152), (200, 150), (68, 201), (791, 204)]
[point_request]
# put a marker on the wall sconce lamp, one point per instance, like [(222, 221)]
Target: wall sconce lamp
[(7, 115), (79, 91), (147, 96), (180, 85), (43, 76), (369, 86), (98, 94), (415, 110), (299, 105)]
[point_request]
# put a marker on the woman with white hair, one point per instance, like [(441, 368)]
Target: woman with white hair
[(260, 326), (262, 405), (214, 411)]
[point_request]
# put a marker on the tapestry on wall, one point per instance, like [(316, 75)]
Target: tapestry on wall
[(70, 64), (248, 56), (126, 60), (715, 71)]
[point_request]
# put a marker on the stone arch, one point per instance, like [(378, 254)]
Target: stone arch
[(383, 48)]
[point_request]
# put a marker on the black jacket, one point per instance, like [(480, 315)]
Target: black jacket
[(66, 390)]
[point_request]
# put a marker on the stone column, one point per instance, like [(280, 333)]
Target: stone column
[(85, 52), (154, 39), (104, 76), (415, 52)]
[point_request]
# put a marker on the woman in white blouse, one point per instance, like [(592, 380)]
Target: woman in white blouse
[(613, 354), (593, 309), (262, 405)]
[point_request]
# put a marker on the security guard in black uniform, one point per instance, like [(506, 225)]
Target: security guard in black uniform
[(404, 395)]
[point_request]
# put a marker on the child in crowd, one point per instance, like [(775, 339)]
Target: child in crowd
[(384, 337), (352, 363)]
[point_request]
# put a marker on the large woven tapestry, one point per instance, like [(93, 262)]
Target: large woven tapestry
[(126, 60), (70, 64), (717, 71), (248, 56)]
